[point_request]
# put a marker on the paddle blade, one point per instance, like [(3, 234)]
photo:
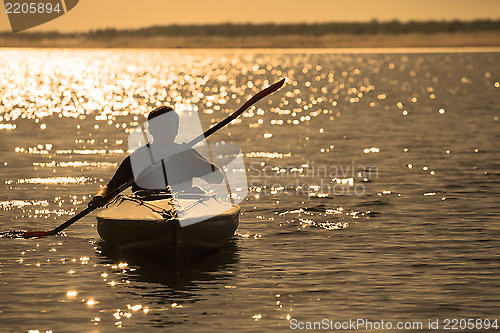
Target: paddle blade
[(12, 234), (36, 234)]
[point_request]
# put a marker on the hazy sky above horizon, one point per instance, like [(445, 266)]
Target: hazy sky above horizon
[(130, 14)]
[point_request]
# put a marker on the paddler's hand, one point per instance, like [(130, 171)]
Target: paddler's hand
[(97, 201)]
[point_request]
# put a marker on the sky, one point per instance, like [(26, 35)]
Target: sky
[(130, 14)]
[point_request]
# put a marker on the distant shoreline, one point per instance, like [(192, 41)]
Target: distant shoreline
[(381, 40)]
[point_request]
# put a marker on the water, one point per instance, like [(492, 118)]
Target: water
[(373, 188)]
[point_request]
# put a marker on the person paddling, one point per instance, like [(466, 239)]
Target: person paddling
[(182, 164), (101, 200)]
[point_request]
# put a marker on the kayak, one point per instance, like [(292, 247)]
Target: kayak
[(160, 220)]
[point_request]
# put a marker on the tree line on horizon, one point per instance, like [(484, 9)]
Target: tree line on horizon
[(273, 29)]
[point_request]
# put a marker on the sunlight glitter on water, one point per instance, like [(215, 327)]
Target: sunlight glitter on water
[(75, 164), (268, 154), (22, 203), (50, 180), (122, 94)]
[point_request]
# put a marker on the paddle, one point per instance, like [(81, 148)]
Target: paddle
[(269, 90)]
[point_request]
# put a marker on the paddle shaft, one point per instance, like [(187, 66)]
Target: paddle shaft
[(260, 95), (207, 133)]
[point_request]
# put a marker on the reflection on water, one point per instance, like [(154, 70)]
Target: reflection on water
[(181, 271), (163, 280)]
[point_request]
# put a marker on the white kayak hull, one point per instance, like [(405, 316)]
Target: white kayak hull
[(129, 222)]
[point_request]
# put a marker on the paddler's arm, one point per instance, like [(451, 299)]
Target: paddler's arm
[(122, 175), (214, 176), (98, 198)]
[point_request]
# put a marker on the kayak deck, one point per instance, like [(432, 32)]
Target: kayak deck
[(185, 222)]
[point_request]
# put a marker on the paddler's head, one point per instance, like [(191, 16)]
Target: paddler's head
[(163, 124)]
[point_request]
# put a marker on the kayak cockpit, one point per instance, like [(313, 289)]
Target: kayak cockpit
[(193, 220)]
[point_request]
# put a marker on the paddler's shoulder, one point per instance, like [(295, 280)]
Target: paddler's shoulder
[(140, 152)]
